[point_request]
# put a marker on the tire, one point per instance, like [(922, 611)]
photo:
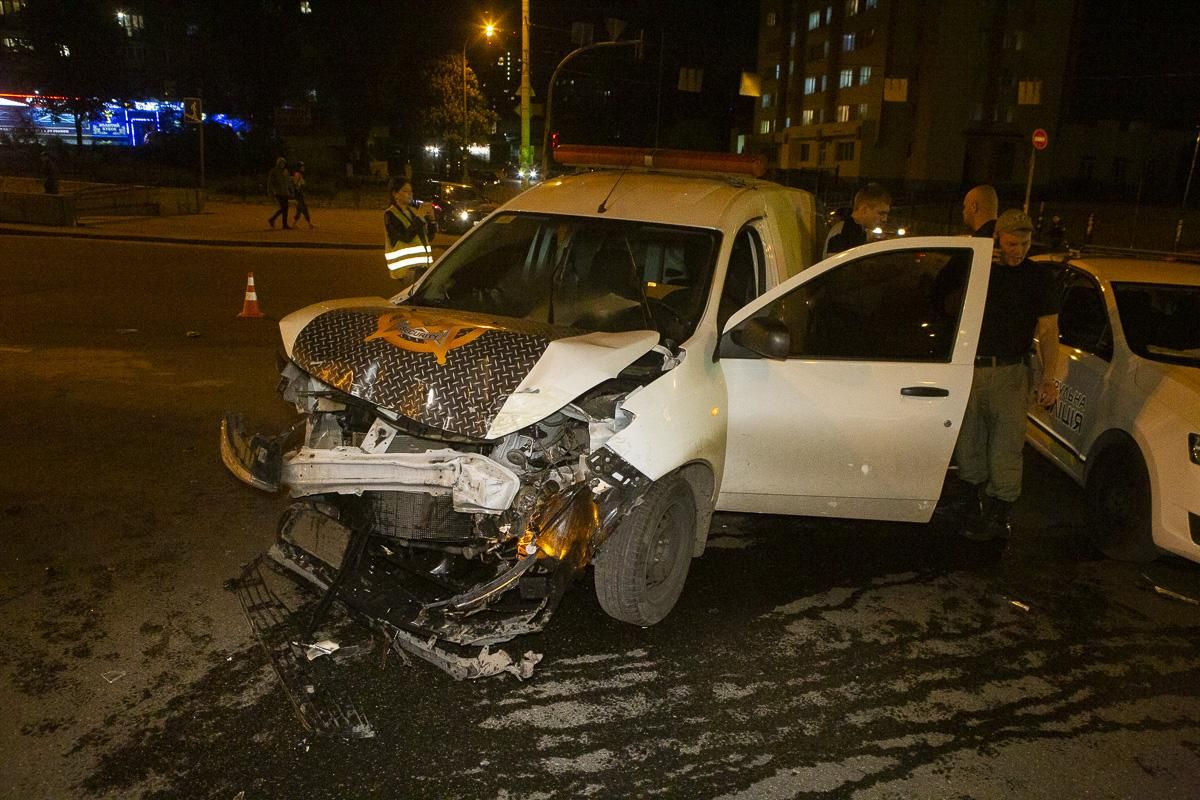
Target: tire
[(641, 569), (1118, 504)]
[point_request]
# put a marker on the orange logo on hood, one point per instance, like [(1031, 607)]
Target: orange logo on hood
[(426, 332)]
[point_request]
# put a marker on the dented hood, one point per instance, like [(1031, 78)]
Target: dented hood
[(470, 374)]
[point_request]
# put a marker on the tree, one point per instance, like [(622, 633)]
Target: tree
[(79, 56), (443, 117)]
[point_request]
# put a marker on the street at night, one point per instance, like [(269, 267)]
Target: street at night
[(806, 657)]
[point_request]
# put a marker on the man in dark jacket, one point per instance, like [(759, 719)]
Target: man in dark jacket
[(872, 204)]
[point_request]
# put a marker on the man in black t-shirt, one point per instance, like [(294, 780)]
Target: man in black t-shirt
[(1021, 302)]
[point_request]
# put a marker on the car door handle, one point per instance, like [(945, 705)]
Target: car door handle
[(924, 391)]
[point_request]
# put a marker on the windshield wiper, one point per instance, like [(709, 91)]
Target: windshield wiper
[(647, 316)]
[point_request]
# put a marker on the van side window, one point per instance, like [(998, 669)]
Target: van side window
[(745, 277)]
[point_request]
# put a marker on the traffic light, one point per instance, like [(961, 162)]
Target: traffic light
[(554, 140)]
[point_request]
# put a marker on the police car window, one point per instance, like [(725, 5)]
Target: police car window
[(1161, 322), (902, 305), (1082, 319)]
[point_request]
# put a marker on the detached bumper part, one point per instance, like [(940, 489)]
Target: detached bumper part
[(255, 460)]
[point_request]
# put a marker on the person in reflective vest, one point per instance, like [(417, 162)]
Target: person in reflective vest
[(407, 241)]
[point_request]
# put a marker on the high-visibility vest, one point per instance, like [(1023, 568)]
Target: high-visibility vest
[(400, 254)]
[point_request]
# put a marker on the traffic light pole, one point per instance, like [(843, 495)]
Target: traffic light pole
[(636, 43)]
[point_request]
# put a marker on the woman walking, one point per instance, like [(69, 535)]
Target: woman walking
[(298, 194)]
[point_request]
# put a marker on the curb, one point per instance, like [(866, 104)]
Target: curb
[(135, 237)]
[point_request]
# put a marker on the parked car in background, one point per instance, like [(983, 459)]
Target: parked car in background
[(1127, 422), (456, 207)]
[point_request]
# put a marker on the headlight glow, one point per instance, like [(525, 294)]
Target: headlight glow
[(464, 215)]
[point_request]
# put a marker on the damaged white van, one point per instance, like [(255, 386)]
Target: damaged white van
[(583, 378)]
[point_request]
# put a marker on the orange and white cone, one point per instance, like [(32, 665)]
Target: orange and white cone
[(250, 304)]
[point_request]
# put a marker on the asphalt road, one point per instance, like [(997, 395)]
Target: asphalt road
[(807, 658)]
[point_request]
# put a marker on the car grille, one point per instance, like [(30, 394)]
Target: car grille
[(415, 515)]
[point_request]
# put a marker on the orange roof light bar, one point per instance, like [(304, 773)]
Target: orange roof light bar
[(581, 155)]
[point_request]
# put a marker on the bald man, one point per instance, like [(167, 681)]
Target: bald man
[(980, 207)]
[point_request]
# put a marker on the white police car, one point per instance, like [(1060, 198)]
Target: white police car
[(1127, 422)]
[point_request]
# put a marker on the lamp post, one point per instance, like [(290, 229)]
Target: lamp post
[(489, 30)]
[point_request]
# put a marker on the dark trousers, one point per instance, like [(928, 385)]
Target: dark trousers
[(282, 212), (302, 210)]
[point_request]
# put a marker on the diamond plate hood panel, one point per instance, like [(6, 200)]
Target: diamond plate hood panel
[(450, 370)]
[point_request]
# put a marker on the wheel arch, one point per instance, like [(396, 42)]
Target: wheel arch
[(1107, 443), (701, 479)]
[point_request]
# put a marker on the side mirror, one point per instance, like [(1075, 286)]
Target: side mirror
[(766, 336)]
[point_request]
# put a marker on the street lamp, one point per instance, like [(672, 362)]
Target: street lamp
[(489, 30)]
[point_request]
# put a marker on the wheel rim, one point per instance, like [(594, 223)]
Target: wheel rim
[(663, 549)]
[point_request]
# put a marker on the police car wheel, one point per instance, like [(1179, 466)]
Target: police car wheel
[(641, 568), (1118, 503)]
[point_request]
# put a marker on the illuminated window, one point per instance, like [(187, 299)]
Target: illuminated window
[(806, 118), (766, 100), (312, 95), (851, 7), (770, 19), (828, 14), (846, 78), (861, 110), (787, 122), (792, 40), (843, 113), (64, 51), (810, 85), (132, 23), (1029, 93), (15, 44), (848, 43), (845, 151), (11, 6), (870, 4), (305, 7), (765, 126), (864, 76), (814, 20), (777, 69)]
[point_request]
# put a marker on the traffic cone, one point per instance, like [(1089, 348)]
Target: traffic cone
[(250, 304)]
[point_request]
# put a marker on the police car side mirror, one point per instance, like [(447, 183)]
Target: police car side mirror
[(765, 336)]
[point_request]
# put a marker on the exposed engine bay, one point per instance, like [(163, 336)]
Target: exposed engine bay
[(444, 543)]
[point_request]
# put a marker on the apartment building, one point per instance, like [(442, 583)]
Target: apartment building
[(913, 90)]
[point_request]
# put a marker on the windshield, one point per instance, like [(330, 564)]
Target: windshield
[(580, 272), (1161, 322)]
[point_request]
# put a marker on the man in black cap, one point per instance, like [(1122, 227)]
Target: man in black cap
[(1021, 301)]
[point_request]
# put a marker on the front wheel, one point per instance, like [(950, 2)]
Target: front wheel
[(641, 569), (1118, 503)]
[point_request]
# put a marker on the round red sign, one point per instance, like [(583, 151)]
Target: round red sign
[(1040, 139)]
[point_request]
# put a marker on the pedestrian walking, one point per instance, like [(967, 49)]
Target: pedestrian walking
[(279, 185), (298, 184), (980, 206), (1021, 302), (406, 238), (872, 204), (49, 173)]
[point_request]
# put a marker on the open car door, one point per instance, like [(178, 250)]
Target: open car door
[(857, 409)]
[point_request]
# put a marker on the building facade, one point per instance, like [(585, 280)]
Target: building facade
[(912, 90)]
